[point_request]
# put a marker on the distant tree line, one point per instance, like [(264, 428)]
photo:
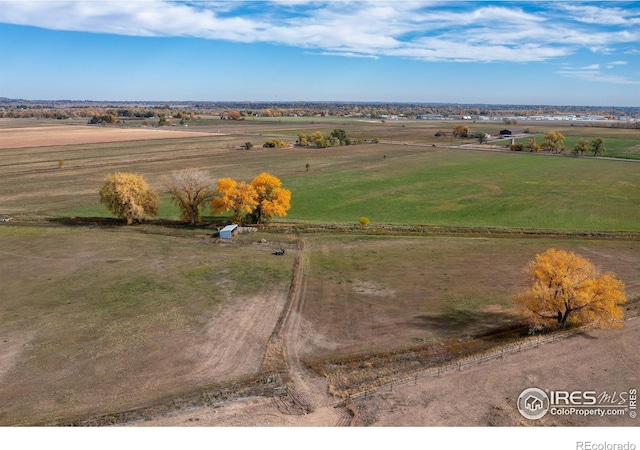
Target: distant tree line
[(553, 142), (239, 110)]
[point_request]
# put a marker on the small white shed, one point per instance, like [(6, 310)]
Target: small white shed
[(228, 231)]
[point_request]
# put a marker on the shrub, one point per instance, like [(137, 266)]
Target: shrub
[(364, 221), (275, 143)]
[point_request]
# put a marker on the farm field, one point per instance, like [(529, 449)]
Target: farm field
[(97, 318), (44, 136), (385, 292), (120, 318), (388, 183), (106, 320), (457, 187)]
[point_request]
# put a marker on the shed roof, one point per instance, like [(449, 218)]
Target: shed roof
[(229, 228)]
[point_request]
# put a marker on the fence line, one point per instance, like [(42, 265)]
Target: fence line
[(528, 343)]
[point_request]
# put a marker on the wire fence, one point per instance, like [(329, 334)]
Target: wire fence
[(458, 365)]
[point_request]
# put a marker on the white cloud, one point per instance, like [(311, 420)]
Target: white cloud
[(593, 73), (609, 15), (345, 54), (442, 31), (613, 64)]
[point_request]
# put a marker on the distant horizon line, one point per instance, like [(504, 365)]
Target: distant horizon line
[(346, 102)]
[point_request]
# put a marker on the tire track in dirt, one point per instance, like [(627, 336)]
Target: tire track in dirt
[(303, 394)]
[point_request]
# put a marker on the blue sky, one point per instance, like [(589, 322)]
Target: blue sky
[(563, 53)]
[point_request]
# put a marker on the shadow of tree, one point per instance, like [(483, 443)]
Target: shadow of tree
[(456, 321)]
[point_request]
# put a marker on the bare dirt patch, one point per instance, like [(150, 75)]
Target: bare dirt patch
[(486, 395), (69, 135)]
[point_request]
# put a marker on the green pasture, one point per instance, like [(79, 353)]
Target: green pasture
[(419, 185), (624, 148), (470, 188)]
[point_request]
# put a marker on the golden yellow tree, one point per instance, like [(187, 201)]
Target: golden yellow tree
[(190, 190), (553, 141), (128, 197), (565, 288), (272, 198), (461, 131), (239, 198)]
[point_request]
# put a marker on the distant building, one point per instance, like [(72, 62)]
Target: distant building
[(429, 117), (510, 132)]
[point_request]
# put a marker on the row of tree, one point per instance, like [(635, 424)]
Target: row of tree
[(553, 143), (129, 197)]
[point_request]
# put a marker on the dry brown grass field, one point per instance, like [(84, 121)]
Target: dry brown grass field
[(97, 318), (96, 321)]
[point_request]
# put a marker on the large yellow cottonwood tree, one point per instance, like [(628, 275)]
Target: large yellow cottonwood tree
[(239, 198), (273, 199), (258, 201), (565, 288), (128, 197)]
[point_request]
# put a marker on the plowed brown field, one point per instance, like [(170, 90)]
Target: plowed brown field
[(69, 135)]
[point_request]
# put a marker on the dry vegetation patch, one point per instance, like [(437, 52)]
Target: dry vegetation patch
[(421, 302), (98, 321)]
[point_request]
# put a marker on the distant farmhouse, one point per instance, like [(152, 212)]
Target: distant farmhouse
[(511, 132)]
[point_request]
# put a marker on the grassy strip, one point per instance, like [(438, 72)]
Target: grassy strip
[(438, 230)]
